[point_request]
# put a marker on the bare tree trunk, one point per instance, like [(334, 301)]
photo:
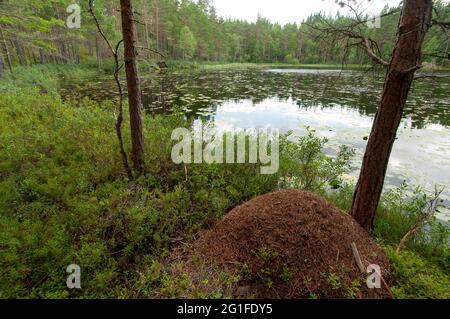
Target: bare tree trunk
[(414, 23), (134, 91), (2, 65)]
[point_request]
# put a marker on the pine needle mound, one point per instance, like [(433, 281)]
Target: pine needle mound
[(294, 244)]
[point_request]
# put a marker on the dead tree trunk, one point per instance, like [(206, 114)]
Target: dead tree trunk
[(134, 91), (415, 21)]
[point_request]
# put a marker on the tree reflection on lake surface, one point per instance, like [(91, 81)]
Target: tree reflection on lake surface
[(338, 105)]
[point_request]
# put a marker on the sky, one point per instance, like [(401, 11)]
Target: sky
[(287, 11)]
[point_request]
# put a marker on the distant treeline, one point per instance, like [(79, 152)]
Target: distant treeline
[(36, 32)]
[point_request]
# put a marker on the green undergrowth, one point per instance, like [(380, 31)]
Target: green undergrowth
[(64, 199)]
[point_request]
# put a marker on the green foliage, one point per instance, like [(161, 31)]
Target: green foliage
[(290, 59), (399, 211), (187, 43), (192, 30), (270, 268), (333, 279), (65, 198), (305, 165), (417, 277)]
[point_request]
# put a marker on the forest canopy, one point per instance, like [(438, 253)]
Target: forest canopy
[(36, 32)]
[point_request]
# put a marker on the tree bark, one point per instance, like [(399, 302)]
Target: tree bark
[(20, 53), (5, 48), (414, 23), (1, 66), (134, 91)]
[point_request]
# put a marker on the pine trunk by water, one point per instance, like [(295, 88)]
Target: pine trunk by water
[(414, 23), (134, 91)]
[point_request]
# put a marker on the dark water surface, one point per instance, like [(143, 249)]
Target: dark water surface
[(338, 105)]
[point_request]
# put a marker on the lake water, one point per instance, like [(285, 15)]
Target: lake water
[(338, 105)]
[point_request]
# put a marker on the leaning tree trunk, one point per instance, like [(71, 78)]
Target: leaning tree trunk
[(414, 22), (134, 91)]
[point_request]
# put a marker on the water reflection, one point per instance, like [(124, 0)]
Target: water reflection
[(419, 156)]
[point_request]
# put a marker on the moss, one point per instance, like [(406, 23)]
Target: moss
[(417, 277)]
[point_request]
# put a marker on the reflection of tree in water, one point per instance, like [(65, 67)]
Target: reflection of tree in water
[(199, 93)]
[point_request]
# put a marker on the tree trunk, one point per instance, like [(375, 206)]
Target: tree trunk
[(158, 47), (1, 66), (42, 58), (414, 22), (146, 33), (134, 91), (20, 53), (97, 52)]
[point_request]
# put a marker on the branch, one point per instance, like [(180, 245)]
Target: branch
[(365, 43), (99, 28), (411, 69), (443, 24), (348, 31), (360, 264), (423, 220), (445, 55)]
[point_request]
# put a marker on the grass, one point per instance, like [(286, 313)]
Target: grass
[(180, 65)]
